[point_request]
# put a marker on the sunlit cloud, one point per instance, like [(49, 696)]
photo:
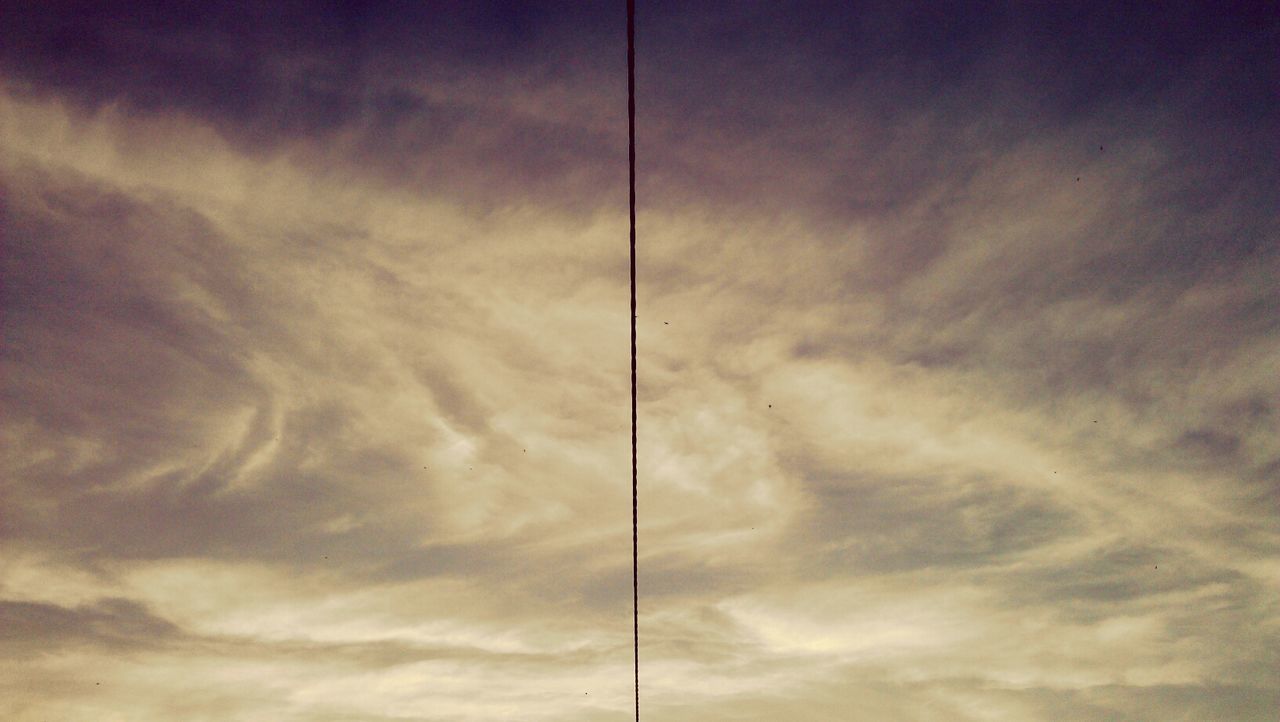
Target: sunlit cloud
[(959, 356)]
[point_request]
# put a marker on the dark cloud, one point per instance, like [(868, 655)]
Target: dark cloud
[(1120, 572), (857, 110), (862, 109), (119, 625), (351, 83), (862, 525)]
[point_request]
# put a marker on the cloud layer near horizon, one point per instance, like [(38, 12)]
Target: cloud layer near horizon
[(959, 364)]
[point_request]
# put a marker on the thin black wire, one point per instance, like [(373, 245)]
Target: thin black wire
[(635, 487)]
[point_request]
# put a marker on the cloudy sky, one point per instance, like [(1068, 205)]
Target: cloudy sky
[(959, 333)]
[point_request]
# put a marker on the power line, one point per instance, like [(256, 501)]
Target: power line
[(635, 488)]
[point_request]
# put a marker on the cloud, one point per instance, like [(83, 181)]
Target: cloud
[(110, 622), (958, 344)]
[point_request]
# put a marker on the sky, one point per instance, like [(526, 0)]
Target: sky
[(959, 361)]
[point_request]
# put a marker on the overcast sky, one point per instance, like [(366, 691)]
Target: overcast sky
[(959, 331)]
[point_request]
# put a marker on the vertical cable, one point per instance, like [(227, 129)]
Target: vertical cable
[(635, 488)]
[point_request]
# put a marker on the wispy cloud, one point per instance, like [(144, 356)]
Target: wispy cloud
[(959, 347)]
